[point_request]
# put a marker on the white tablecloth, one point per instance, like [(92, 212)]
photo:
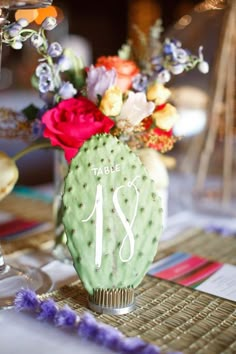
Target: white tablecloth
[(22, 334)]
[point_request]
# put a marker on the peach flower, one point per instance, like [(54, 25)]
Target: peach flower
[(126, 70)]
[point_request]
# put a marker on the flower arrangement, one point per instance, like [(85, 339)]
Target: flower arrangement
[(123, 95)]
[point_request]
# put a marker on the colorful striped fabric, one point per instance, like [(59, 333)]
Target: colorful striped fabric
[(185, 269), (12, 227)]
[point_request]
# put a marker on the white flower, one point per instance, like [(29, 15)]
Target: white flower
[(55, 50), (99, 79), (45, 83), (43, 69), (49, 23), (163, 76), (36, 40), (14, 30), (67, 90), (177, 69), (17, 44), (203, 67), (23, 22), (136, 108), (181, 56), (64, 63), (8, 176)]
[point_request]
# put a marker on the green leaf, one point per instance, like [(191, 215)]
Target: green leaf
[(30, 112), (77, 71), (125, 51), (156, 30), (34, 82)]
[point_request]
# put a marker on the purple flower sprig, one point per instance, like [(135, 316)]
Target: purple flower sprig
[(86, 326), (49, 77), (221, 230)]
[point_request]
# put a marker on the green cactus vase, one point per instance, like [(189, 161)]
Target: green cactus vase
[(113, 221)]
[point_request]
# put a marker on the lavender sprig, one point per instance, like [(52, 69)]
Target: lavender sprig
[(47, 310), (48, 74), (65, 317), (221, 230), (86, 326), (26, 300)]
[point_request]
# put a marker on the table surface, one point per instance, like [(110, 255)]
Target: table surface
[(27, 331)]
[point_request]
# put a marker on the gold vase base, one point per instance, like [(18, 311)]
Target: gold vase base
[(112, 301)]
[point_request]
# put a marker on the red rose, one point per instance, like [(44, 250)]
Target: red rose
[(126, 70), (72, 122)]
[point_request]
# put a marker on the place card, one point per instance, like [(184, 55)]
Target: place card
[(197, 272)]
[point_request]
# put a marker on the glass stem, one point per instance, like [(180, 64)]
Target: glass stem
[(4, 12), (2, 262), (0, 51)]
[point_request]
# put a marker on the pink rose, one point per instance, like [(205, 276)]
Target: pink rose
[(72, 122)]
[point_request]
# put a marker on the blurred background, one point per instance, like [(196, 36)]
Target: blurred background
[(100, 28)]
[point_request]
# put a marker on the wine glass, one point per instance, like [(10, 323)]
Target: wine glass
[(24, 4), (13, 278)]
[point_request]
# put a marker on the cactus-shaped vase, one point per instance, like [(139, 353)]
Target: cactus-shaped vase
[(113, 221)]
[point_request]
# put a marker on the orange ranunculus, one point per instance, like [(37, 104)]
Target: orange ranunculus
[(126, 70)]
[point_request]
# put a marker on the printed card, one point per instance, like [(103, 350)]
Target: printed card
[(199, 273)]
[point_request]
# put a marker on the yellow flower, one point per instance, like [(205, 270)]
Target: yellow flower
[(158, 93), (8, 175), (111, 102), (166, 117)]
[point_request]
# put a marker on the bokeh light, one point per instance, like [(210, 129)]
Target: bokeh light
[(183, 22), (39, 15), (29, 15), (45, 12), (211, 5)]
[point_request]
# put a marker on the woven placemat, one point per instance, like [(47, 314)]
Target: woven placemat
[(170, 315), (167, 314), (197, 241), (29, 209)]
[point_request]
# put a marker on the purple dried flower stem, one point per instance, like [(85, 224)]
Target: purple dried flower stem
[(86, 326), (221, 230), (47, 310)]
